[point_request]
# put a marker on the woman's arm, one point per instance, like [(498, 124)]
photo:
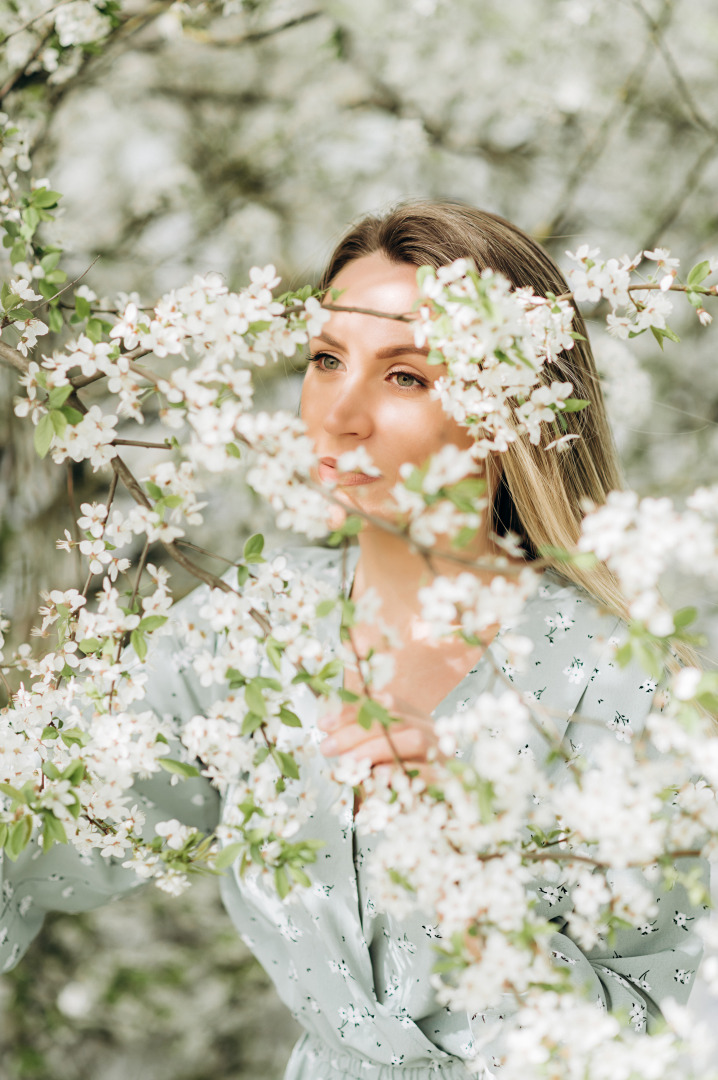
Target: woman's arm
[(64, 880)]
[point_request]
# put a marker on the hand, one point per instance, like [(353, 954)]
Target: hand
[(413, 739)]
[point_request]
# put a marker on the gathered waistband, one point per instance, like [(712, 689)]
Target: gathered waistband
[(313, 1059)]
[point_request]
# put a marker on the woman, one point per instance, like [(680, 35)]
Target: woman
[(356, 979)]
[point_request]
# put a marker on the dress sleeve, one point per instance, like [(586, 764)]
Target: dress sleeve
[(642, 965), (65, 880)]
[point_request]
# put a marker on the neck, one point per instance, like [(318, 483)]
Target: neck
[(389, 565)]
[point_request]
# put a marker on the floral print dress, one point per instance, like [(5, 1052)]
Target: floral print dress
[(356, 979)]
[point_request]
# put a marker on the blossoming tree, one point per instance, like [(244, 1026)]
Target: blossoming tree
[(77, 734)]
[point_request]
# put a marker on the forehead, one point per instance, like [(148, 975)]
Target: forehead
[(376, 283)]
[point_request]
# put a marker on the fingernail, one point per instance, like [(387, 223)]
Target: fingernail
[(328, 746)]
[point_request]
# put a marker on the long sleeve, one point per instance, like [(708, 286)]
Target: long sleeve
[(594, 702), (641, 965), (64, 880)]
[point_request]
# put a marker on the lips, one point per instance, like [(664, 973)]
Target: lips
[(329, 474)]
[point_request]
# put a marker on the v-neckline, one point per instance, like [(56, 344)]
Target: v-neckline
[(350, 561)]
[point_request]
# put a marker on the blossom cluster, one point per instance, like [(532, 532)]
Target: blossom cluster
[(83, 730)]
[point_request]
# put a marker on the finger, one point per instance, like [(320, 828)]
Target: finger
[(337, 718), (409, 745)]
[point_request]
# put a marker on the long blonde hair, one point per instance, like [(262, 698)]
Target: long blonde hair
[(538, 494)]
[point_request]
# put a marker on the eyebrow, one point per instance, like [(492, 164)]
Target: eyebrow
[(382, 354)]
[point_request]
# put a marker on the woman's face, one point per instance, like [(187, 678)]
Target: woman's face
[(368, 385)]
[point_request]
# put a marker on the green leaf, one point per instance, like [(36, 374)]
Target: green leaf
[(53, 831), (274, 652), (49, 262), (370, 711), (44, 434), (574, 405), (31, 218), (281, 882), (659, 334), (624, 654), (139, 644), (152, 622), (685, 617), (89, 645), (58, 421), (74, 737), (73, 416), (299, 875), (8, 789), (351, 527), (233, 450), (54, 320), (324, 607), (466, 494), (49, 732), (253, 548), (331, 670), (289, 718), (96, 329), (228, 855), (153, 489), (255, 699), (18, 837), (178, 768), (251, 722), (75, 772), (50, 770), (58, 396), (235, 678), (287, 764), (45, 199), (698, 273), (82, 307)]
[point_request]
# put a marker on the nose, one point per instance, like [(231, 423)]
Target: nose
[(349, 412)]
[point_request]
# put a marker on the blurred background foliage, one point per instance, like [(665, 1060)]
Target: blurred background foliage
[(215, 137)]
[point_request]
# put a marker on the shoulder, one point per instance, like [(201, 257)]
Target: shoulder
[(572, 669), (335, 566)]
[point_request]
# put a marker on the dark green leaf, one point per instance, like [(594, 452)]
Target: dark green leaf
[(152, 622), (73, 416)]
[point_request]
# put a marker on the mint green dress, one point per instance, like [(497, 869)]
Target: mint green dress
[(356, 979)]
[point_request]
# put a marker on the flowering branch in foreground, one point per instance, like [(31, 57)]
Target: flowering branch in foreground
[(79, 730)]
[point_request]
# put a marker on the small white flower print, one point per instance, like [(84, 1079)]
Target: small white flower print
[(340, 967), (637, 1016), (575, 672), (682, 976), (681, 920)]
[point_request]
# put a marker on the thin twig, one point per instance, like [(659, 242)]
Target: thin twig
[(370, 311), (137, 442)]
